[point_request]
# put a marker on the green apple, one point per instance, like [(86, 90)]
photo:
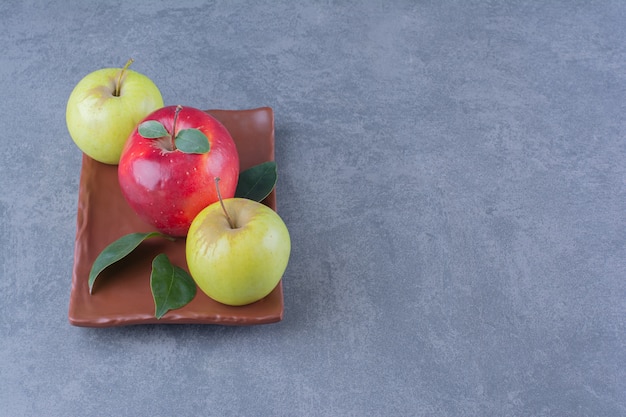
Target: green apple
[(104, 108), (237, 250)]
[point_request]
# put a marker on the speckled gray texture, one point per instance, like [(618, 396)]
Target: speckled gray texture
[(452, 174)]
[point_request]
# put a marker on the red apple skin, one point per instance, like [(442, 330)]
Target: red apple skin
[(168, 188)]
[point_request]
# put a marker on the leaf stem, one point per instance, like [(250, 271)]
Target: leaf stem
[(219, 196), (118, 82), (173, 136)]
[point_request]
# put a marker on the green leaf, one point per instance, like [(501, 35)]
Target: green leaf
[(152, 129), (117, 251), (172, 287), (192, 141), (257, 182)]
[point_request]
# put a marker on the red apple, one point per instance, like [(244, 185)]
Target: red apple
[(166, 173)]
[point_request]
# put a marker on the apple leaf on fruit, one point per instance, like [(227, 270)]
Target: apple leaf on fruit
[(116, 251), (172, 287), (257, 182), (192, 141), (152, 129)]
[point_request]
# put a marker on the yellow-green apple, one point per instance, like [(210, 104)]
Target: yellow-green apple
[(105, 106), (168, 165), (237, 250)]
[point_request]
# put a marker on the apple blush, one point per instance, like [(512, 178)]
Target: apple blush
[(168, 166)]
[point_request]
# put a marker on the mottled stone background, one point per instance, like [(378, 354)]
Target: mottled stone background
[(452, 174)]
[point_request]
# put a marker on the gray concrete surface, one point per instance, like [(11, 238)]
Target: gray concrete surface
[(452, 174)]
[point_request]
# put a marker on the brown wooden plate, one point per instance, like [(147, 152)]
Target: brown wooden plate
[(121, 295)]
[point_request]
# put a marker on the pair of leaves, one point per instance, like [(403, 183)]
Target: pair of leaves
[(186, 140), (172, 287)]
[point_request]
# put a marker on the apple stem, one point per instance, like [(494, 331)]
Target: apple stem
[(173, 137), (118, 83), (219, 196)]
